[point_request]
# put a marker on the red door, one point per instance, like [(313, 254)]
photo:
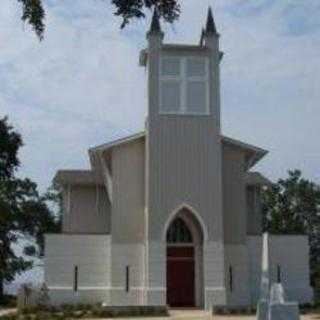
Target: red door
[(180, 277)]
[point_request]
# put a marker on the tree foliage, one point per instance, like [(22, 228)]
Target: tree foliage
[(169, 10), (24, 213), (292, 206), (34, 14)]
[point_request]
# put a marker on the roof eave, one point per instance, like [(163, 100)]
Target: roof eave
[(255, 154), (244, 145), (106, 146), (75, 177)]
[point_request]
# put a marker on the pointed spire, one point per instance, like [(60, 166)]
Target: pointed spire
[(155, 23), (210, 26)]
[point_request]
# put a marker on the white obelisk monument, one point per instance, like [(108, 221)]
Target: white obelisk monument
[(262, 309)]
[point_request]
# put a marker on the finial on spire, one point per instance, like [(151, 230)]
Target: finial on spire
[(155, 22), (210, 26)]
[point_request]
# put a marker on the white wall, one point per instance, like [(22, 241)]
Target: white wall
[(291, 252), (91, 253), (214, 278), (156, 285), (131, 255), (236, 257)]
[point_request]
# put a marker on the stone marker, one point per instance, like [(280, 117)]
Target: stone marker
[(279, 309)]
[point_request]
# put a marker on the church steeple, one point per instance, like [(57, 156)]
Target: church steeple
[(155, 27), (210, 36), (210, 25), (155, 23), (183, 131)]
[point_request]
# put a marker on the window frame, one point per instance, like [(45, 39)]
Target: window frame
[(179, 233), (183, 79)]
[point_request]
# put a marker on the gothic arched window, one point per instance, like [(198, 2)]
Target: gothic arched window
[(179, 232)]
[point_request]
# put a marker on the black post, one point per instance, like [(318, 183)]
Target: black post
[(127, 278), (278, 273)]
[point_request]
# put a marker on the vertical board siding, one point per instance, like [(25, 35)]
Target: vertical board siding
[(184, 167), (128, 167), (254, 212), (184, 162), (234, 196), (184, 152)]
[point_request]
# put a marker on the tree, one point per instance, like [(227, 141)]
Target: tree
[(292, 206), (24, 213), (34, 14)]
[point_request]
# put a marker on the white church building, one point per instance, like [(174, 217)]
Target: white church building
[(171, 215)]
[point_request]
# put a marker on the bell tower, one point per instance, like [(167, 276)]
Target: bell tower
[(183, 148), (183, 80)]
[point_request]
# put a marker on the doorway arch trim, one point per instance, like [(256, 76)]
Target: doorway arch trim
[(173, 215)]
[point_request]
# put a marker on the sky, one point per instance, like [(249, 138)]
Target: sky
[(82, 85)]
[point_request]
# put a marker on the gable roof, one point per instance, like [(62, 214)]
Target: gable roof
[(253, 153), (92, 177), (89, 178), (127, 139)]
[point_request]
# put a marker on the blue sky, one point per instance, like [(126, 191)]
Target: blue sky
[(82, 85)]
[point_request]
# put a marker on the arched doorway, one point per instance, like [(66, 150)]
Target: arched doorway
[(184, 261)]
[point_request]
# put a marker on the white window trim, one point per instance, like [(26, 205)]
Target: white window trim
[(184, 79)]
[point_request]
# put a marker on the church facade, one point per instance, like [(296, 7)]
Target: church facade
[(171, 215)]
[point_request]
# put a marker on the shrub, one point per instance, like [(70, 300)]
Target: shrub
[(9, 317), (29, 309), (9, 301), (83, 307), (85, 311), (97, 311), (67, 307)]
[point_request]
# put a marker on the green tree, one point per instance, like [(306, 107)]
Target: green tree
[(34, 14), (24, 213), (292, 206)]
